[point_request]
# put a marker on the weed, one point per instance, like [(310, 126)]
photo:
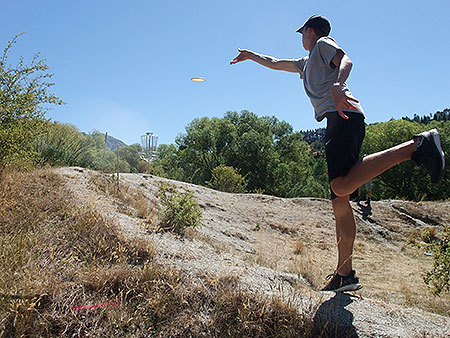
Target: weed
[(429, 235), (439, 276), (179, 210)]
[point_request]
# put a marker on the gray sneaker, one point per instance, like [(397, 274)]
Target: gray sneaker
[(340, 283), (430, 155)]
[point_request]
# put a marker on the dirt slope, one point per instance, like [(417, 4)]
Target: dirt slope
[(285, 247)]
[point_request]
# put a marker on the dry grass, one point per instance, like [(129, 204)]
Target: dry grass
[(284, 229), (193, 233), (56, 257), (299, 247), (269, 252), (304, 266), (414, 236), (134, 203), (396, 275)]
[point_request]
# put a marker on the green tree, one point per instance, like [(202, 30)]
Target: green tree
[(205, 146), (24, 100), (254, 151), (61, 144), (99, 157), (130, 154), (266, 151), (166, 163)]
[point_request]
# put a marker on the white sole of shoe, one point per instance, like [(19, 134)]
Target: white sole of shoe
[(350, 287), (437, 142)]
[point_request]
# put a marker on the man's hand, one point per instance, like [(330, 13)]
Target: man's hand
[(243, 55), (341, 100)]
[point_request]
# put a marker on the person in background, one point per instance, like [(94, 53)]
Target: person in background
[(367, 187)]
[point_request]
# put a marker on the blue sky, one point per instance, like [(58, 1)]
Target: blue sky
[(124, 67)]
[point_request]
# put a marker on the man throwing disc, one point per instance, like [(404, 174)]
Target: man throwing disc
[(324, 73)]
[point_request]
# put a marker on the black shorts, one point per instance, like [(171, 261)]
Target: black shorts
[(343, 140)]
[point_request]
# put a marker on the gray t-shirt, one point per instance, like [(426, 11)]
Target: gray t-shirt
[(318, 76)]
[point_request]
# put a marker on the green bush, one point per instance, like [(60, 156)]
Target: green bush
[(228, 179), (180, 210), (439, 277)]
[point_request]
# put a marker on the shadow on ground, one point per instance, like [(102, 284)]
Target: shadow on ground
[(332, 319)]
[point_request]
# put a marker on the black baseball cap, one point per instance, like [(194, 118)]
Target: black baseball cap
[(318, 22)]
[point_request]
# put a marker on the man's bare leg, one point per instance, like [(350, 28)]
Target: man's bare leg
[(345, 233), (372, 166)]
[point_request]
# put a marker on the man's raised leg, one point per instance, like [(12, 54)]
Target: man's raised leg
[(372, 166), (425, 149)]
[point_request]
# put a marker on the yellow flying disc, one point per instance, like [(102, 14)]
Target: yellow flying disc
[(198, 79)]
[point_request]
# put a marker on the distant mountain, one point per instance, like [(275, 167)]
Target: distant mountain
[(111, 142)]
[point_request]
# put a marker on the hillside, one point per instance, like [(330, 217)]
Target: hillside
[(285, 248)]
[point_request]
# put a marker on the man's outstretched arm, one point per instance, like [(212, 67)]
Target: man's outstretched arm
[(265, 60)]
